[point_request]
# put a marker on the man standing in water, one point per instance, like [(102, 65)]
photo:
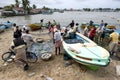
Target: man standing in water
[(41, 25)]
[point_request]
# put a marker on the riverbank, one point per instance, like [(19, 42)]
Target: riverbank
[(54, 68)]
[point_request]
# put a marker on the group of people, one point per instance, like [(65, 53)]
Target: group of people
[(91, 30), (100, 32), (55, 31), (23, 39), (20, 44), (58, 32)]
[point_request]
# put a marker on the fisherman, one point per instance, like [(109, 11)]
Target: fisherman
[(41, 24), (58, 43), (54, 23), (24, 28), (91, 23), (85, 31), (113, 42), (19, 46), (92, 33), (28, 38), (72, 23), (101, 31), (18, 31), (75, 28), (49, 25)]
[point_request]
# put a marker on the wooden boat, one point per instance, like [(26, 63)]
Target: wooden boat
[(110, 27), (85, 51), (5, 25), (35, 26), (8, 24), (2, 27)]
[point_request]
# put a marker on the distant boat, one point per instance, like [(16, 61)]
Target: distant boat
[(85, 51), (61, 11), (47, 12)]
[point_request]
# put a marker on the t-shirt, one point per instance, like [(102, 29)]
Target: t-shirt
[(75, 28), (101, 29), (19, 32), (57, 36), (27, 37), (92, 32), (114, 36)]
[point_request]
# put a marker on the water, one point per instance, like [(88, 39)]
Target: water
[(65, 18)]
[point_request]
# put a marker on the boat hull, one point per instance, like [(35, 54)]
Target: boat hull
[(88, 53), (35, 26)]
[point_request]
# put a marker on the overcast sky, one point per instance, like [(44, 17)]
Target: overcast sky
[(76, 4)]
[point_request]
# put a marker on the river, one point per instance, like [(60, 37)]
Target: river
[(65, 18)]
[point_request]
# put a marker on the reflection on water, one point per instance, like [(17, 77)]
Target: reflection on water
[(28, 17), (66, 17)]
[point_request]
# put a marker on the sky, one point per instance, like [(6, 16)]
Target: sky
[(75, 4)]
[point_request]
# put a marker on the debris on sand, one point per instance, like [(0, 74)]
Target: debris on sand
[(118, 70), (31, 74)]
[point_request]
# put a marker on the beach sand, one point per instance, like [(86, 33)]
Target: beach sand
[(51, 70)]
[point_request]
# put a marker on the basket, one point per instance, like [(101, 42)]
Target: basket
[(39, 40), (46, 56)]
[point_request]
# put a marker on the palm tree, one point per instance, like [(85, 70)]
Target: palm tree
[(34, 6), (17, 3), (26, 6)]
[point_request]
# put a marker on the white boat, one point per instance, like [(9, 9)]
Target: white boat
[(85, 51)]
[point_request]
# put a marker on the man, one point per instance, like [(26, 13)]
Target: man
[(41, 24), (75, 28), (114, 38), (19, 46), (58, 43), (92, 33), (71, 24), (27, 37), (91, 23), (85, 31), (18, 31)]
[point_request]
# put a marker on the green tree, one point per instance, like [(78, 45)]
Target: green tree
[(100, 9), (26, 6), (17, 3), (45, 8), (117, 9), (9, 8), (86, 9), (34, 6)]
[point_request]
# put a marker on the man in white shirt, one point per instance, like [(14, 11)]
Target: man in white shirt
[(58, 43), (27, 37)]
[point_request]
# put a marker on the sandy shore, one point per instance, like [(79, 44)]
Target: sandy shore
[(54, 68)]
